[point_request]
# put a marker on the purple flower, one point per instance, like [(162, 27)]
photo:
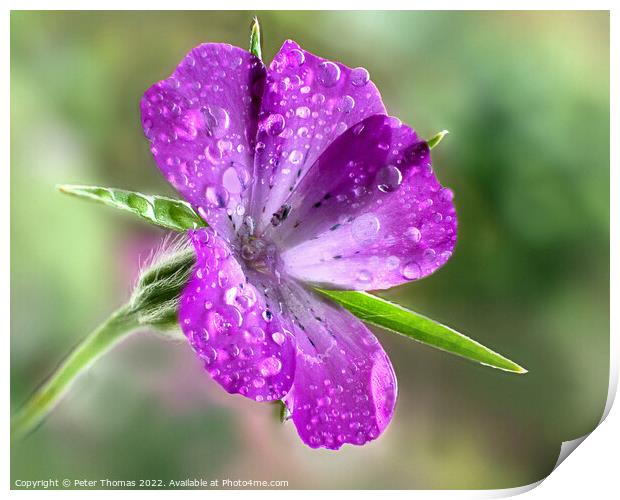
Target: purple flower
[(304, 180)]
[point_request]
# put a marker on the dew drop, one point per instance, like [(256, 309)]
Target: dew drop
[(392, 262), (295, 156), (318, 98), (346, 104), (430, 254), (225, 147), (270, 366), (295, 57), (213, 154), (232, 350), (235, 178), (278, 338), (388, 179), (364, 276), (230, 295), (329, 73), (365, 228), (446, 194), (303, 112), (411, 271), (217, 196), (359, 77), (274, 124), (217, 120), (324, 401), (267, 315), (258, 382), (254, 334), (413, 233)]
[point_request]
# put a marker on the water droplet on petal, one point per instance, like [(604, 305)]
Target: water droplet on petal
[(413, 233), (254, 334), (216, 196), (365, 228), (217, 120), (258, 382), (303, 111), (274, 124), (329, 73), (359, 77), (411, 271), (230, 295), (278, 338), (346, 104), (446, 194), (388, 179), (430, 254), (318, 98), (270, 366), (235, 178), (232, 350), (295, 57), (392, 262), (364, 276), (295, 157)]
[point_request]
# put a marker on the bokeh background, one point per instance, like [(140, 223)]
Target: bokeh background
[(526, 98)]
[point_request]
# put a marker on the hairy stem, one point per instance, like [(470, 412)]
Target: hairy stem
[(118, 326)]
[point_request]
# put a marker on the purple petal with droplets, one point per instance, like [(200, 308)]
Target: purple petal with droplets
[(230, 325), (370, 214), (202, 123), (308, 102), (345, 388)]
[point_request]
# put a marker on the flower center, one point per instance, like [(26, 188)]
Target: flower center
[(259, 254)]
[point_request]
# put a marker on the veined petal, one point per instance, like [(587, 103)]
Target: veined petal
[(370, 214), (308, 102), (345, 388), (202, 123), (231, 325)]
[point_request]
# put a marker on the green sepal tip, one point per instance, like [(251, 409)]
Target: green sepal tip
[(255, 40), (437, 138)]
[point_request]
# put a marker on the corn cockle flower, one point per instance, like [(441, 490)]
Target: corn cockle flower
[(304, 181)]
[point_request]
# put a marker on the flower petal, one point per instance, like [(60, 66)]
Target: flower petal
[(345, 388), (308, 102), (230, 325), (370, 214), (202, 122)]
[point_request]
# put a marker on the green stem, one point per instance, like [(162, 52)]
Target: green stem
[(115, 328)]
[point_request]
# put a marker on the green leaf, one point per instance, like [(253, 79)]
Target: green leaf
[(159, 210), (255, 41), (437, 138), (380, 312)]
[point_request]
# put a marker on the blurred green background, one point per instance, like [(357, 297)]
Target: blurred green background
[(526, 98)]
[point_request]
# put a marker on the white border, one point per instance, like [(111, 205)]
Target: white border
[(591, 472)]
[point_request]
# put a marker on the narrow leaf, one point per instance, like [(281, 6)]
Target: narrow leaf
[(437, 138), (159, 210), (255, 41), (380, 312)]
